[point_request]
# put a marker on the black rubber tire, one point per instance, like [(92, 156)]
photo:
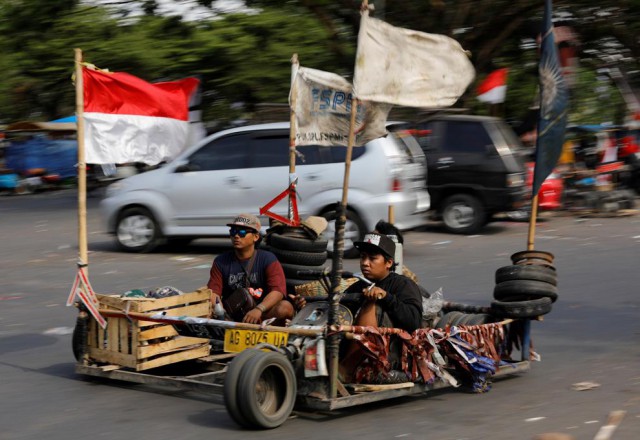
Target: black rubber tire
[(288, 242), (521, 290), (458, 222), (464, 319), (521, 309), (355, 230), (145, 237), (79, 336), (267, 390), (627, 199), (546, 274), (291, 271), (231, 379), (448, 319), (479, 318), (301, 258)]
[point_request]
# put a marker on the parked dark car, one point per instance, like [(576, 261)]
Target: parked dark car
[(475, 169)]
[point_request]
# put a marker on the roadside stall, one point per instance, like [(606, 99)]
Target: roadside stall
[(39, 155)]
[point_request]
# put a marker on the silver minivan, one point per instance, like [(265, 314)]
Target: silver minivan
[(242, 169)]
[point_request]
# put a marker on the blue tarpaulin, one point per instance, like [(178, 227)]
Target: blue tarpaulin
[(55, 156)]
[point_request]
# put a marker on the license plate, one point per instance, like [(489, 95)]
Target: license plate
[(236, 340)]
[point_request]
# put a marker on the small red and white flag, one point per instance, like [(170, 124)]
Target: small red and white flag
[(130, 120), (82, 289), (494, 87)]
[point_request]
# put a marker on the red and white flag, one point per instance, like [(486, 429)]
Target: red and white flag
[(130, 120), (494, 87)]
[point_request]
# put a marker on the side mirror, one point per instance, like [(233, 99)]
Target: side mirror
[(183, 168)]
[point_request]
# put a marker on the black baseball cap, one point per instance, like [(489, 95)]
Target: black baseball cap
[(377, 244)]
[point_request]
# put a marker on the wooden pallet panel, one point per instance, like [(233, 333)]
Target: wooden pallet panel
[(141, 345)]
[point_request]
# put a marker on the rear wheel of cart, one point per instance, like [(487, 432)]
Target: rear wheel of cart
[(231, 385), (266, 390)]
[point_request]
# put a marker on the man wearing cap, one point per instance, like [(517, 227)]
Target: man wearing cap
[(257, 271), (392, 300)]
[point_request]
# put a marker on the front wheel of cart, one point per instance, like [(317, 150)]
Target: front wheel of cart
[(267, 390), (231, 385)]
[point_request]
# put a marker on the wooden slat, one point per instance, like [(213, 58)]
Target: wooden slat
[(201, 310), (124, 329), (92, 338), (163, 331), (173, 301), (193, 353), (113, 334), (170, 345), (109, 357), (100, 339)]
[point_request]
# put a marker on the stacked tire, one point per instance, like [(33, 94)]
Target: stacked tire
[(527, 288), (302, 256)]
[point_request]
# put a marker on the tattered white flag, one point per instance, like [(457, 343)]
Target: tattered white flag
[(409, 68), (322, 103)]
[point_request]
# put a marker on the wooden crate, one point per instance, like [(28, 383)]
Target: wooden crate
[(142, 344)]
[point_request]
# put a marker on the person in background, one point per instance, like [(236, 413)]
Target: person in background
[(249, 276)]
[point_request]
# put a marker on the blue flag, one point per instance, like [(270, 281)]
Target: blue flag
[(554, 99)]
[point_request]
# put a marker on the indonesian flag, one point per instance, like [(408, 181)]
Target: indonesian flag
[(494, 88), (130, 120)]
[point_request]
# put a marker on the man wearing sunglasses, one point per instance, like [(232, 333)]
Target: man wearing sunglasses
[(245, 271)]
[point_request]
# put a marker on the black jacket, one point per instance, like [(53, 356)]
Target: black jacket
[(403, 302)]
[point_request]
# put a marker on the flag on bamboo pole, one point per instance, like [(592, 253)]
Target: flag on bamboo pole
[(409, 68), (493, 89), (130, 120), (322, 103), (554, 99)]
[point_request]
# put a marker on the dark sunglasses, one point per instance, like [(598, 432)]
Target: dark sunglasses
[(241, 232)]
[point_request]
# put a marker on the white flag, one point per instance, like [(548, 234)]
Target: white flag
[(409, 68), (322, 105)]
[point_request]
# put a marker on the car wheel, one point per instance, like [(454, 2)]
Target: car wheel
[(267, 390), (463, 214), (137, 230), (354, 230)]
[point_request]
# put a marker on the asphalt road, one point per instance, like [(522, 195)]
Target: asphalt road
[(592, 335)]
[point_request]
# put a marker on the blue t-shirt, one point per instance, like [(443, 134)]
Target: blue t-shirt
[(228, 274)]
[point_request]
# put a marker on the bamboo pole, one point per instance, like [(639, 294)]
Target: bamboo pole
[(292, 132), (532, 223), (83, 253), (338, 254)]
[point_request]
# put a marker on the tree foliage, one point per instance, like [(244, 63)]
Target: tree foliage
[(243, 58)]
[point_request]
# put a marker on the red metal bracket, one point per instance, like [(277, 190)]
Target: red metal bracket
[(291, 192)]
